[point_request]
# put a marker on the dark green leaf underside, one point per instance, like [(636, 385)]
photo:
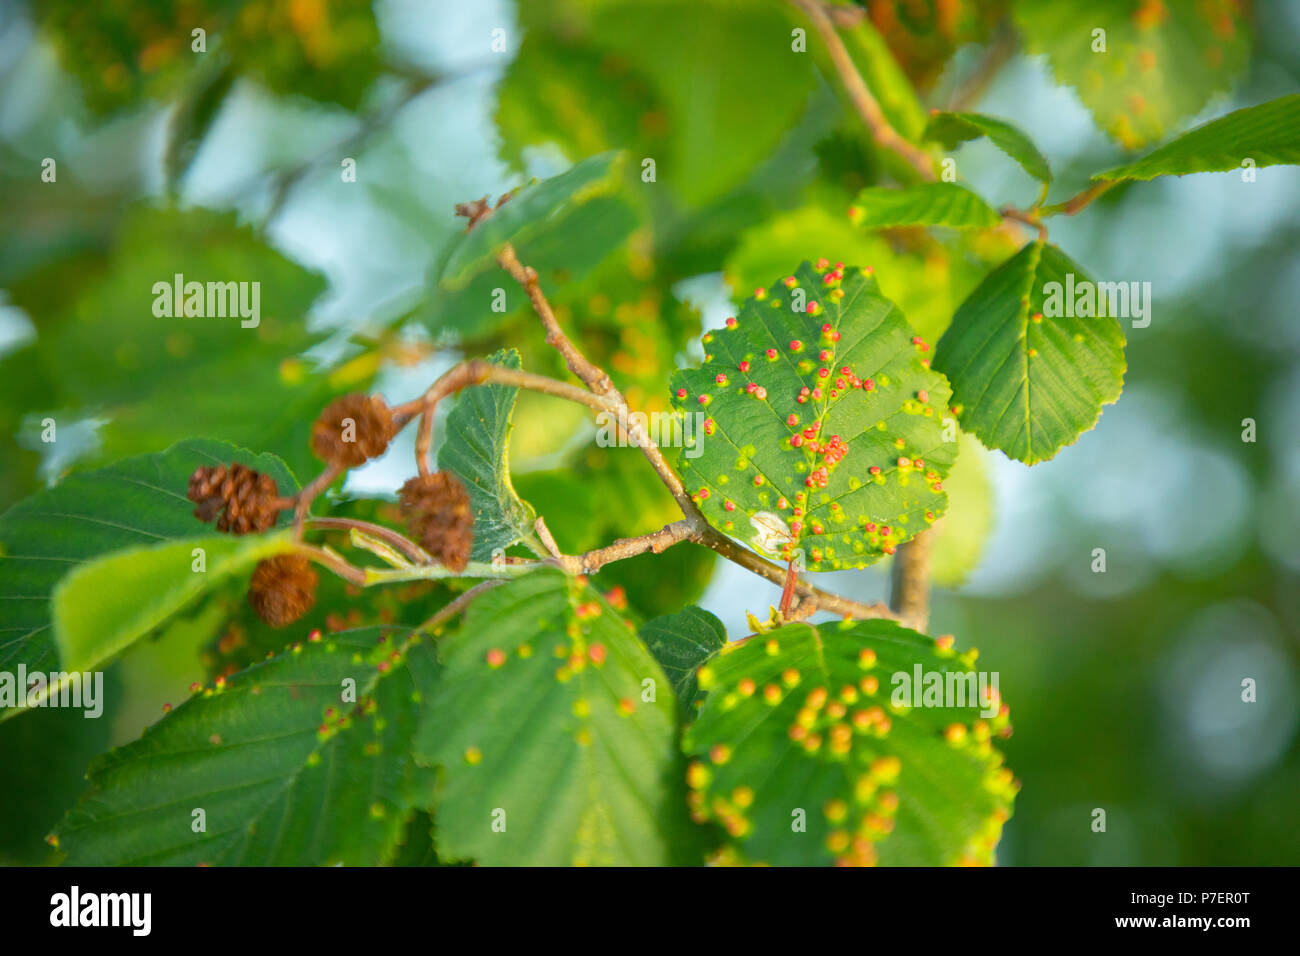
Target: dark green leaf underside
[(951, 129)]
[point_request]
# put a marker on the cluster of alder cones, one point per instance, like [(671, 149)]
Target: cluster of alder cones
[(350, 431)]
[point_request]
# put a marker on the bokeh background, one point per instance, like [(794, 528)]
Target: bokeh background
[(1125, 686)]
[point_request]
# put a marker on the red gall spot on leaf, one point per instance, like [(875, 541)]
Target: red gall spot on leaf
[(597, 654), (681, 393), (760, 393), (771, 353), (923, 395), (496, 657), (825, 355), (817, 393), (731, 322), (796, 346), (729, 505), (720, 379), (744, 366)]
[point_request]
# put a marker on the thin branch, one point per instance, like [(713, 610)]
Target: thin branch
[(821, 600), (384, 533), (480, 372), (1079, 200), (328, 559), (594, 377), (1026, 217), (548, 540), (308, 494), (656, 542), (910, 581), (881, 131)]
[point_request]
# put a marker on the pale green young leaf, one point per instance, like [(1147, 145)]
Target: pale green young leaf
[(102, 606)]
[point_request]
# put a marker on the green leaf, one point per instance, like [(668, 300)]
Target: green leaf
[(541, 727), (285, 768), (1163, 61), (1267, 134), (134, 50), (926, 204), (681, 643), (105, 604), (139, 501), (1026, 378), (570, 222), (477, 449), (816, 726), (652, 77), (952, 129), (531, 211), (106, 355), (743, 467)]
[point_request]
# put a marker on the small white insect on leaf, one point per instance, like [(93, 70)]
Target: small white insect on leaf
[(772, 533)]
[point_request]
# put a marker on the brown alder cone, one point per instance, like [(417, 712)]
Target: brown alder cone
[(438, 512), (372, 429), (246, 500), (283, 589)]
